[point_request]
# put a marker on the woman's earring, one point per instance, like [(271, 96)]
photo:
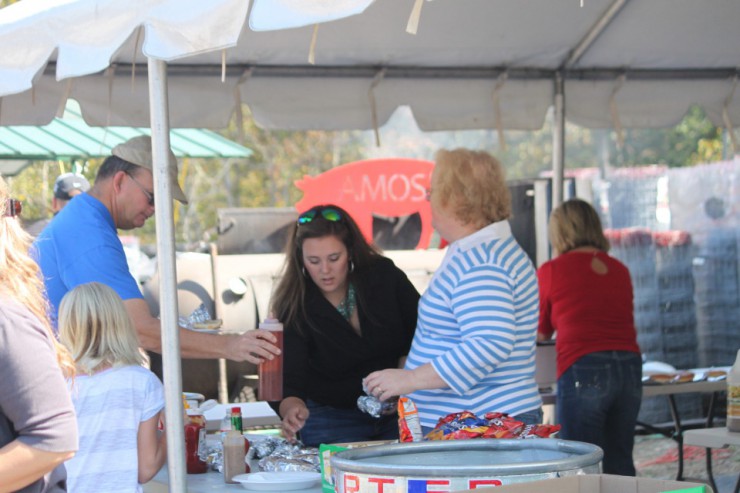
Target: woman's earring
[(303, 269), (351, 266)]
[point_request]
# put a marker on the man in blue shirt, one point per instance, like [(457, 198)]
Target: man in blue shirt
[(81, 245), (66, 187)]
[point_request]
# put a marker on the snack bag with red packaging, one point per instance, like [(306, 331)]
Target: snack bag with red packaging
[(504, 426), (409, 426), (458, 426), (465, 425)]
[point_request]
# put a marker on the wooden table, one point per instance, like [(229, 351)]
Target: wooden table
[(712, 438)]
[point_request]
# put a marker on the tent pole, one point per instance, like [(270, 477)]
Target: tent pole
[(159, 114), (558, 142)]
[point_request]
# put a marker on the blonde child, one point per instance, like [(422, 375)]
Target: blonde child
[(118, 401)]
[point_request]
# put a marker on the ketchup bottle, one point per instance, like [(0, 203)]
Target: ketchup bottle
[(271, 371), (195, 442)]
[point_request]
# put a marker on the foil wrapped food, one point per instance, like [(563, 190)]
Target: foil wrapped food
[(373, 406), (277, 454)]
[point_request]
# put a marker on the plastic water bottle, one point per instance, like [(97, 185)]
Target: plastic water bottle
[(225, 424), (271, 371)]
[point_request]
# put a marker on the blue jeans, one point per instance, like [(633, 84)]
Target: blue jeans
[(598, 401), (327, 424), (530, 417)]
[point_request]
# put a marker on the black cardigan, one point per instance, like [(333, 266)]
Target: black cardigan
[(326, 361)]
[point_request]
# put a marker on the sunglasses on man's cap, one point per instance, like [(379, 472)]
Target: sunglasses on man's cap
[(328, 213)]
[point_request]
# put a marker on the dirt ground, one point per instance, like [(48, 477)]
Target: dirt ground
[(656, 457)]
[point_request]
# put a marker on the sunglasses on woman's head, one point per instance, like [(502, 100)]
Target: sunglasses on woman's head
[(328, 213), (13, 208)]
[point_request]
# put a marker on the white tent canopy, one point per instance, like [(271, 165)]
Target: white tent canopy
[(472, 63)]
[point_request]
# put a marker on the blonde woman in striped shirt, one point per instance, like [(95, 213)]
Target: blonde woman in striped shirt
[(474, 346)]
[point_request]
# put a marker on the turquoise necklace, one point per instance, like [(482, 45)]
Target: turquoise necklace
[(348, 304)]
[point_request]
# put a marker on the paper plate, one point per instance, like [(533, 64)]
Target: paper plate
[(277, 481), (651, 367)]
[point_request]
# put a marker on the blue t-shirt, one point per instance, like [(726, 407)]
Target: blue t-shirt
[(81, 245)]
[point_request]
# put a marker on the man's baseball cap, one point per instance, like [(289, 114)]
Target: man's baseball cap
[(138, 151), (67, 183)]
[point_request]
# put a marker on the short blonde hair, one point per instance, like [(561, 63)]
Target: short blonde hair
[(575, 223), (95, 326), (471, 184)]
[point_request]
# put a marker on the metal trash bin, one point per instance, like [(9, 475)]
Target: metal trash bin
[(460, 464)]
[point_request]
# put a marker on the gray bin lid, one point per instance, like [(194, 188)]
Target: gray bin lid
[(469, 458)]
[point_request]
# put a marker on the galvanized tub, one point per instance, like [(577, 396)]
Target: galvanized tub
[(459, 464)]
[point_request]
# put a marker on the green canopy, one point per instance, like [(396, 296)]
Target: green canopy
[(70, 138)]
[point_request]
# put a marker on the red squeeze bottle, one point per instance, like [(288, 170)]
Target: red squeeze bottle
[(271, 371), (195, 442)]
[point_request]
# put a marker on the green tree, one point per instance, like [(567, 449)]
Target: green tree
[(694, 140), (280, 158)]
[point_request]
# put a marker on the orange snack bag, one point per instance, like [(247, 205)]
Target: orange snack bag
[(409, 426)]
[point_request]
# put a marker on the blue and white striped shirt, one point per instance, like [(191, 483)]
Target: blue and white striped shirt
[(477, 326)]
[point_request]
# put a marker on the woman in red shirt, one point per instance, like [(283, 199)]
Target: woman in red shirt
[(586, 296)]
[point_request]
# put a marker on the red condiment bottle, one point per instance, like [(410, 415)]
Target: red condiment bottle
[(271, 371), (195, 443)]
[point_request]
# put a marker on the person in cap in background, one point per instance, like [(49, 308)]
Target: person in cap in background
[(66, 186), (81, 245)]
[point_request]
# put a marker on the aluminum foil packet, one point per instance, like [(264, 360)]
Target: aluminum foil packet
[(199, 315), (373, 406), (278, 454), (282, 464), (214, 456)]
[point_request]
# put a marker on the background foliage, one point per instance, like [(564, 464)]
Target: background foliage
[(282, 157)]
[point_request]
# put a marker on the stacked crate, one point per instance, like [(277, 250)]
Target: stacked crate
[(674, 254), (717, 296), (660, 266), (634, 194), (634, 248)]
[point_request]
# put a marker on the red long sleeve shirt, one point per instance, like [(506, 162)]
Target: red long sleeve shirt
[(591, 312)]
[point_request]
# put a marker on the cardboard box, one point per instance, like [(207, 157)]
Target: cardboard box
[(253, 414), (598, 483), (327, 450)]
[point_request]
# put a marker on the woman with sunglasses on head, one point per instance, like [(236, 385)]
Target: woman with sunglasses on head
[(474, 345), (38, 430), (347, 311)]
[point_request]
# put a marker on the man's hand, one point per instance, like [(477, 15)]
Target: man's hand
[(294, 413), (254, 346)]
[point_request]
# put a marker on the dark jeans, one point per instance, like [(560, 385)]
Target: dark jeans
[(598, 401), (328, 424)]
